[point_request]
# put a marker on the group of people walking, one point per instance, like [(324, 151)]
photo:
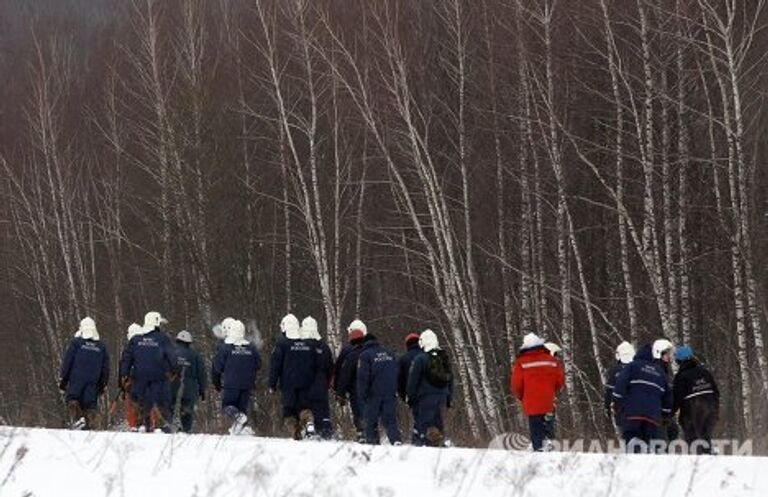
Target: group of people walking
[(642, 395), (160, 381)]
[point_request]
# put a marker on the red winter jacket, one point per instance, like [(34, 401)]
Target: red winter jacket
[(536, 377)]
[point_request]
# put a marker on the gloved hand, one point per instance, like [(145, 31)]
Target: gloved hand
[(63, 386)]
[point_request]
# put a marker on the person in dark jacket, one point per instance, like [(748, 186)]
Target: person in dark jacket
[(147, 366), (377, 373), (644, 396), (345, 374), (404, 367), (663, 351), (292, 370), (625, 353), (84, 375), (697, 398), (536, 378), (190, 383), (424, 396), (318, 392), (234, 374)]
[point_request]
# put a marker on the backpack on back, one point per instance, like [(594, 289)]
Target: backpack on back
[(438, 369)]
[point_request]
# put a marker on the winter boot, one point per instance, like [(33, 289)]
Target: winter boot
[(291, 425), (239, 424), (307, 424), (91, 419), (435, 437), (76, 419)]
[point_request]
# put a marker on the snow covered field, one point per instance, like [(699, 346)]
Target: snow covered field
[(39, 462)]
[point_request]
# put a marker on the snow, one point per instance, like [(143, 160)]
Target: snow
[(41, 462)]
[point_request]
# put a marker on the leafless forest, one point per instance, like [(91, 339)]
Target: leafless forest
[(592, 170)]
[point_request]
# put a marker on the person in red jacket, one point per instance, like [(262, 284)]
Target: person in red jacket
[(536, 378)]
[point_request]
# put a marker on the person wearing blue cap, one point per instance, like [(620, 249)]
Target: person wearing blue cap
[(697, 399)]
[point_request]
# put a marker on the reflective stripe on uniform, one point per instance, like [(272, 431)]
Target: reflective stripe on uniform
[(703, 392), (644, 382), (538, 363)]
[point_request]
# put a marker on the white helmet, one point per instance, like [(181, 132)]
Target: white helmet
[(660, 347), (309, 329), (428, 340), (532, 340), (152, 320), (625, 352), (133, 330), (553, 348), (87, 329), (237, 334), (290, 327), (184, 336), (357, 325)]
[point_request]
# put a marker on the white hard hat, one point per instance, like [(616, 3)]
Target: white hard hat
[(133, 330), (236, 333), (184, 336), (152, 320), (88, 329), (289, 326), (553, 348), (309, 329), (357, 325), (661, 346), (428, 340), (625, 352), (532, 340)]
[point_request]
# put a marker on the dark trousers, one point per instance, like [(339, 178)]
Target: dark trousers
[(294, 401), (235, 401), (186, 413), (698, 420), (384, 409), (428, 413), (149, 395), (639, 430), (321, 412), (357, 408), (549, 426), (85, 394), (537, 426)]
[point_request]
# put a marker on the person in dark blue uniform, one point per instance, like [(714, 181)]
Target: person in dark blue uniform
[(234, 374), (292, 370), (345, 374), (318, 393), (84, 375), (377, 374), (190, 383), (149, 365)]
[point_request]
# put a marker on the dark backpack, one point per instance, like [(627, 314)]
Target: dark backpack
[(438, 369)]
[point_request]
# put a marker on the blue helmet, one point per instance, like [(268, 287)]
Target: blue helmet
[(683, 353)]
